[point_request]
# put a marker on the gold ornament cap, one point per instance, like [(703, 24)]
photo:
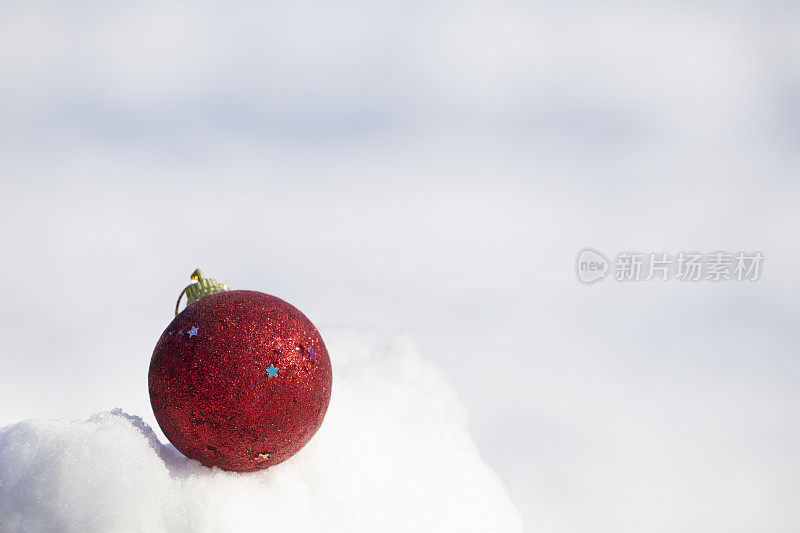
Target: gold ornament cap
[(199, 288)]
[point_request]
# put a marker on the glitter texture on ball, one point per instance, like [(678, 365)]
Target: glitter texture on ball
[(240, 380)]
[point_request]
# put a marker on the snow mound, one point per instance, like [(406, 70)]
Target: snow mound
[(392, 455)]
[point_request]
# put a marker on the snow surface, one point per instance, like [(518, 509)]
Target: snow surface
[(392, 455)]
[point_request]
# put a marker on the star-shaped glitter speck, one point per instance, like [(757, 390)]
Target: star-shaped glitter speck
[(311, 354), (192, 332), (272, 371)]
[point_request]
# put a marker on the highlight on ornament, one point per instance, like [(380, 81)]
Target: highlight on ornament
[(239, 379)]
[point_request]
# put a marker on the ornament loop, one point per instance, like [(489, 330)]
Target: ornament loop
[(199, 288)]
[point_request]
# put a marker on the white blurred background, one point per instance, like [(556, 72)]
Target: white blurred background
[(431, 168)]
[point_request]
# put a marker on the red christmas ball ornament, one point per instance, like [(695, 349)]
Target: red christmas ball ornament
[(240, 379)]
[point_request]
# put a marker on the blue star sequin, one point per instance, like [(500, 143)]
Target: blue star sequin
[(193, 332), (272, 371), (311, 354)]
